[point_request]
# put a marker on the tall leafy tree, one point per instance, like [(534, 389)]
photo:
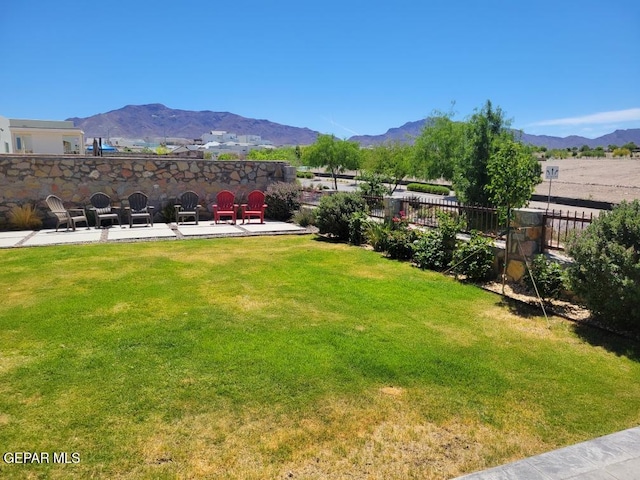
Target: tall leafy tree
[(391, 160), (438, 148), (483, 133), (513, 173), (333, 154)]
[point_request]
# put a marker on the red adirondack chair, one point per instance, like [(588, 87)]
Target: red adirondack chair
[(225, 206), (254, 207)]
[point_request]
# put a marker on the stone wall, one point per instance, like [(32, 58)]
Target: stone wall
[(31, 178)]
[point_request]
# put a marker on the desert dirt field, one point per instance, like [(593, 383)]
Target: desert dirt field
[(603, 179)]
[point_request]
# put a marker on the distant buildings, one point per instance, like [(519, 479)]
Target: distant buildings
[(62, 137), (40, 136), (218, 142)]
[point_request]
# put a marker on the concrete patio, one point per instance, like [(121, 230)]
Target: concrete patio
[(205, 229)]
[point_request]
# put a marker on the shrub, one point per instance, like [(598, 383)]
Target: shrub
[(305, 217), (400, 239), (621, 152), (24, 217), (606, 269), (282, 200), (428, 188), (376, 234), (300, 174), (357, 227), (334, 213), (434, 250), (399, 243), (429, 251), (548, 275), (168, 211), (474, 258)]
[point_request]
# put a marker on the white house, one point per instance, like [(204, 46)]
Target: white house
[(40, 136), (219, 136)]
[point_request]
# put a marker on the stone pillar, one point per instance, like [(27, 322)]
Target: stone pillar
[(524, 241), (289, 174)]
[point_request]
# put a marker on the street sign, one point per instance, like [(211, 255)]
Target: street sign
[(551, 173)]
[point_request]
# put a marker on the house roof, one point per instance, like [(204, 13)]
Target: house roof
[(57, 124)]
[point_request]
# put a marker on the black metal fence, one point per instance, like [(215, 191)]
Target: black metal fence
[(559, 226), (425, 211)]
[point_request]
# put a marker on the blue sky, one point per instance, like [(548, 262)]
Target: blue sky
[(343, 67)]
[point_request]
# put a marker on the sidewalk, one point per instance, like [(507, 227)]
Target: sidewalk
[(205, 229), (612, 457)]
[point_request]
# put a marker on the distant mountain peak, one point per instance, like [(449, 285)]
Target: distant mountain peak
[(157, 120)]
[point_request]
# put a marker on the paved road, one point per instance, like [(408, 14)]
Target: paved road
[(351, 186)]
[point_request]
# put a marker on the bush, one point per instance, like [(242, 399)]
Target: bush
[(305, 217), (474, 258), (549, 277), (399, 244), (428, 188), (300, 174), (606, 269), (434, 250), (168, 211), (400, 239), (334, 213), (357, 227), (282, 199), (24, 217), (429, 251), (376, 235), (621, 152)]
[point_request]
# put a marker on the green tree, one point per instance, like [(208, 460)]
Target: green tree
[(513, 173), (286, 154), (229, 156), (622, 152), (391, 160), (484, 131), (438, 148), (333, 154)]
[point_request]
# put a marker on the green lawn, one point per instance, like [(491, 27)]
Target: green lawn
[(264, 356)]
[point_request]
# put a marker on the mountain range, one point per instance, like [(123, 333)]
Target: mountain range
[(158, 121)]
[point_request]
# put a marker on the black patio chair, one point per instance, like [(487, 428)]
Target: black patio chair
[(101, 207), (139, 208), (188, 206)]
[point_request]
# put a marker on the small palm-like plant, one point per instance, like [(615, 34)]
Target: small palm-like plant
[(24, 217)]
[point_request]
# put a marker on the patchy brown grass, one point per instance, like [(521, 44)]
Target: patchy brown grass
[(383, 439)]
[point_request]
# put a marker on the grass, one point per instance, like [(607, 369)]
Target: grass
[(262, 357)]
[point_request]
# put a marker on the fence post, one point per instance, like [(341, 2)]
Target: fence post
[(524, 241), (392, 207)]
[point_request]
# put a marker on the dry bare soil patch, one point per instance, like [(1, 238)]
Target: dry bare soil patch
[(602, 179)]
